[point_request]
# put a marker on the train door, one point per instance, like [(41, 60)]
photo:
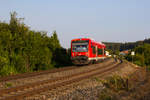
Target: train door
[(103, 52), (96, 51)]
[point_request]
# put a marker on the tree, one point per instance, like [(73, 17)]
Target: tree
[(24, 50)]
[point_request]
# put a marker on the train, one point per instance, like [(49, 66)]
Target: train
[(86, 51)]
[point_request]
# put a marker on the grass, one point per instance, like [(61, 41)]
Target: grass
[(104, 95), (116, 83), (7, 85)]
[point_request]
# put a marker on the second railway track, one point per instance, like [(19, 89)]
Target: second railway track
[(20, 76), (32, 74), (17, 93)]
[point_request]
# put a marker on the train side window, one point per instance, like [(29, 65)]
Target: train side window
[(94, 49), (100, 51)]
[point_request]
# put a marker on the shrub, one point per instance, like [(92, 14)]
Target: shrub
[(116, 83)]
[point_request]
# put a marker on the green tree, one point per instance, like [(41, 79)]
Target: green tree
[(23, 50)]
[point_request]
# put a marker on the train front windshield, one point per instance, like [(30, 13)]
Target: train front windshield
[(80, 46)]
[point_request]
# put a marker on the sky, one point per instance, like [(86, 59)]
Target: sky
[(101, 20)]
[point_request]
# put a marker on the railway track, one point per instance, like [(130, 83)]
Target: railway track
[(32, 74), (20, 92), (25, 75)]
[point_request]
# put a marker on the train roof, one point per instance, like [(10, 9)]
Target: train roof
[(81, 39), (89, 39)]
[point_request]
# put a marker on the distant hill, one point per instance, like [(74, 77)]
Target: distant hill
[(114, 46)]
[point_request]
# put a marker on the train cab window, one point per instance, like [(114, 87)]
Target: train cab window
[(100, 51), (80, 48)]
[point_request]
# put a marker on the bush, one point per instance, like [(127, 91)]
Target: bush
[(8, 70), (116, 83)]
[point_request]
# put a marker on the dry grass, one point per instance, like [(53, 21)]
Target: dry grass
[(136, 87), (116, 83)]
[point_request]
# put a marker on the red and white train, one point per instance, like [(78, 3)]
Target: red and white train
[(86, 50)]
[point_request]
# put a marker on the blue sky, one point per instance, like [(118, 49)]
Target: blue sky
[(102, 20)]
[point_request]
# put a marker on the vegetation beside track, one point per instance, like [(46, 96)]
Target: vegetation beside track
[(142, 56), (134, 87), (24, 50)]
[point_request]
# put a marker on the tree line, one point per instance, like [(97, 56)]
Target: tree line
[(24, 50), (141, 49), (115, 47)]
